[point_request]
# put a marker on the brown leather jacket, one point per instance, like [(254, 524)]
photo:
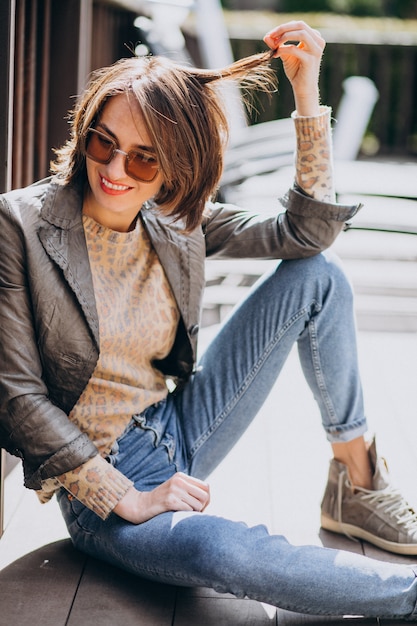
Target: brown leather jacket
[(49, 333)]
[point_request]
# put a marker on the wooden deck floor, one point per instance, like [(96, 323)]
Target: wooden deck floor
[(45, 582)]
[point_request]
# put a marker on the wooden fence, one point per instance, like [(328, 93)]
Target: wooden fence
[(56, 44)]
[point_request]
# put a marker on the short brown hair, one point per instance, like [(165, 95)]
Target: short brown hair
[(183, 115)]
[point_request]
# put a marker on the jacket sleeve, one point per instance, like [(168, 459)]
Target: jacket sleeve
[(305, 228), (312, 219), (31, 425)]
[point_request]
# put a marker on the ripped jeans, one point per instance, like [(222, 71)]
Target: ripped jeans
[(308, 302)]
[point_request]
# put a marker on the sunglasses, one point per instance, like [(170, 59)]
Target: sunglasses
[(102, 149)]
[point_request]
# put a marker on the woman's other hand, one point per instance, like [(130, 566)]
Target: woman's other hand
[(179, 493), (300, 48)]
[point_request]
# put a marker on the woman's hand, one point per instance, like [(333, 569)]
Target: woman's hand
[(179, 493), (300, 48)]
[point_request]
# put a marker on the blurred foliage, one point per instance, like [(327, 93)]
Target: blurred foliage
[(404, 9)]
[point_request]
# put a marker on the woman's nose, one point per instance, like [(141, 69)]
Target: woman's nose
[(116, 167)]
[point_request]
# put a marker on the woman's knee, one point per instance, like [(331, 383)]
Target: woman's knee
[(323, 272)]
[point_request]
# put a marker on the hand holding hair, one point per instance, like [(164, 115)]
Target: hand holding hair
[(300, 48)]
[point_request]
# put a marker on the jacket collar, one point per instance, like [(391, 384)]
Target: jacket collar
[(62, 205)]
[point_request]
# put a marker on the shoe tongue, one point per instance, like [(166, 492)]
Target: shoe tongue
[(380, 478)]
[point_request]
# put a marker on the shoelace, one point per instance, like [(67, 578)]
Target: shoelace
[(389, 499)]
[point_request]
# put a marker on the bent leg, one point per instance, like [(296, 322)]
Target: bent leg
[(194, 549), (308, 301)]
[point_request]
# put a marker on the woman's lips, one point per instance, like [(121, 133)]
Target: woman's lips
[(113, 189)]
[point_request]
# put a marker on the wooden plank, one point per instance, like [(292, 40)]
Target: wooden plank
[(338, 542), (392, 214), (286, 618), (227, 294), (109, 596), (358, 244), (7, 464), (375, 553), (205, 607), (2, 473), (248, 267), (265, 132), (391, 622), (28, 524), (376, 178), (397, 278), (241, 171), (387, 190), (7, 17), (386, 312), (39, 588)]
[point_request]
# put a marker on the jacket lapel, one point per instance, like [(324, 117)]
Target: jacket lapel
[(181, 256), (62, 237)]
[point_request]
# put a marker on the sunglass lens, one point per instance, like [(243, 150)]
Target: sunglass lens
[(138, 165), (99, 147), (141, 167)]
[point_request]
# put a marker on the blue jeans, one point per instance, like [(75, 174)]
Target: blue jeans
[(306, 301)]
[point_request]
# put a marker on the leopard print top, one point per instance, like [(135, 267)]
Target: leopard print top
[(134, 300)]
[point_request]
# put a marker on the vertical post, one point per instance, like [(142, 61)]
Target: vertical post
[(84, 43), (2, 472), (7, 13), (216, 51), (69, 20)]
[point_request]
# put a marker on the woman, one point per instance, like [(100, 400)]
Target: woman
[(101, 282)]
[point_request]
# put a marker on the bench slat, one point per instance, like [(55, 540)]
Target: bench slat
[(40, 587)]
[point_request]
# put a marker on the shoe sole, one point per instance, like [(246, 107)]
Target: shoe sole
[(359, 533)]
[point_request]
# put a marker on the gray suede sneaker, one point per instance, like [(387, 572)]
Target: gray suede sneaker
[(381, 516)]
